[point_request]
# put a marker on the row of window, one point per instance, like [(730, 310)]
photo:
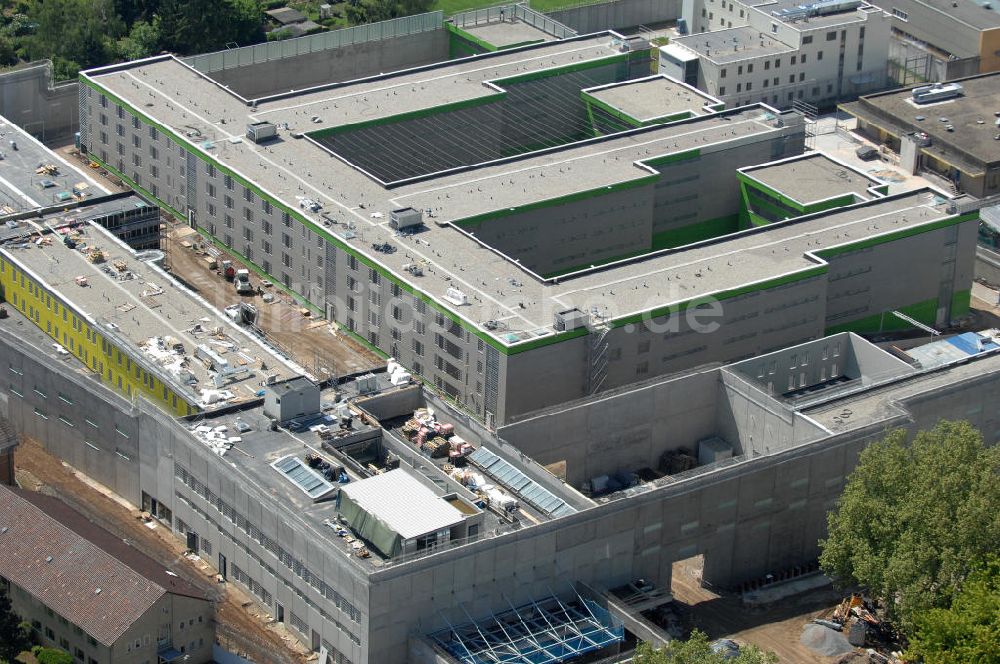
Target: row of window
[(271, 545)]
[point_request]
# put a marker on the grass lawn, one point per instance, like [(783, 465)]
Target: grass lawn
[(450, 7)]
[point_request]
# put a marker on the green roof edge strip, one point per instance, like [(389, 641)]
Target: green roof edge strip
[(469, 37), (546, 341), (754, 183), (696, 232), (897, 235), (672, 158), (565, 69), (830, 203), (409, 115), (590, 99), (760, 204), (677, 307), (559, 200), (503, 348)]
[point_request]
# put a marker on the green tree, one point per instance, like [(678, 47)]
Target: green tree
[(698, 650), (968, 631), (74, 34), (143, 40), (914, 520), (13, 637), (51, 655), (197, 26)]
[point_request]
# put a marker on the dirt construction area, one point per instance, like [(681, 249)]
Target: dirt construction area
[(241, 627), (778, 628), (310, 341)]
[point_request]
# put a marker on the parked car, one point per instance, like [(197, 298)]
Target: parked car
[(866, 153), (728, 648)]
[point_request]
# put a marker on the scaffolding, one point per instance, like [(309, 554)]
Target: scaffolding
[(545, 631)]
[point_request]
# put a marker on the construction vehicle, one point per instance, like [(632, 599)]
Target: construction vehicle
[(228, 271), (242, 282)]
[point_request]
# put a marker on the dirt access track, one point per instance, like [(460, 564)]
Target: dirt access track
[(311, 342), (240, 626)]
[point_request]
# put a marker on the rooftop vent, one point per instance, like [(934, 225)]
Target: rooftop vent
[(936, 92), (260, 132), (456, 297)]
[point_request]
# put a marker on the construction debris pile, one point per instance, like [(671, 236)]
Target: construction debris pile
[(436, 439), (854, 624), (492, 495), (331, 472), (217, 438)]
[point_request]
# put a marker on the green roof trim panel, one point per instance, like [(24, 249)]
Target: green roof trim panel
[(469, 37), (773, 193), (672, 158), (696, 232), (590, 100), (830, 203), (625, 117)]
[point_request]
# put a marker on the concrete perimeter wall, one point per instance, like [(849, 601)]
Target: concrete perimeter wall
[(328, 57), (618, 14), (30, 99), (335, 65)]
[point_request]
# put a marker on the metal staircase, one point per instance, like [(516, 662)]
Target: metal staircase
[(598, 352)]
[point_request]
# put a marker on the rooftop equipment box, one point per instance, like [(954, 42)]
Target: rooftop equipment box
[(405, 218), (258, 132)]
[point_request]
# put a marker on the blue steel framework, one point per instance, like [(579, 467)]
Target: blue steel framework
[(546, 631)]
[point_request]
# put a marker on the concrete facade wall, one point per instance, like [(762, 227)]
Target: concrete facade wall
[(934, 26), (620, 432), (335, 65), (755, 517), (589, 231), (618, 14), (47, 110)]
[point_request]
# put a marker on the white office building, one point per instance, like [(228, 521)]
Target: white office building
[(780, 52)]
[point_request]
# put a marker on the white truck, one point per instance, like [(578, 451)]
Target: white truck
[(242, 282)]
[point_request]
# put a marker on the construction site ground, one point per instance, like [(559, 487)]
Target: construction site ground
[(777, 628), (308, 340), (241, 626)]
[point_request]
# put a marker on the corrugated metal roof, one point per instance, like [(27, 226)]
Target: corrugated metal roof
[(526, 488), (403, 503)]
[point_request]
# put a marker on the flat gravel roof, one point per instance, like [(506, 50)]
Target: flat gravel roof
[(813, 177), (970, 145), (647, 99)]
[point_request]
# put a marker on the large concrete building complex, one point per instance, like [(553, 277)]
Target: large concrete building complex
[(500, 223), (768, 442), (86, 591), (634, 316), (780, 53)]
